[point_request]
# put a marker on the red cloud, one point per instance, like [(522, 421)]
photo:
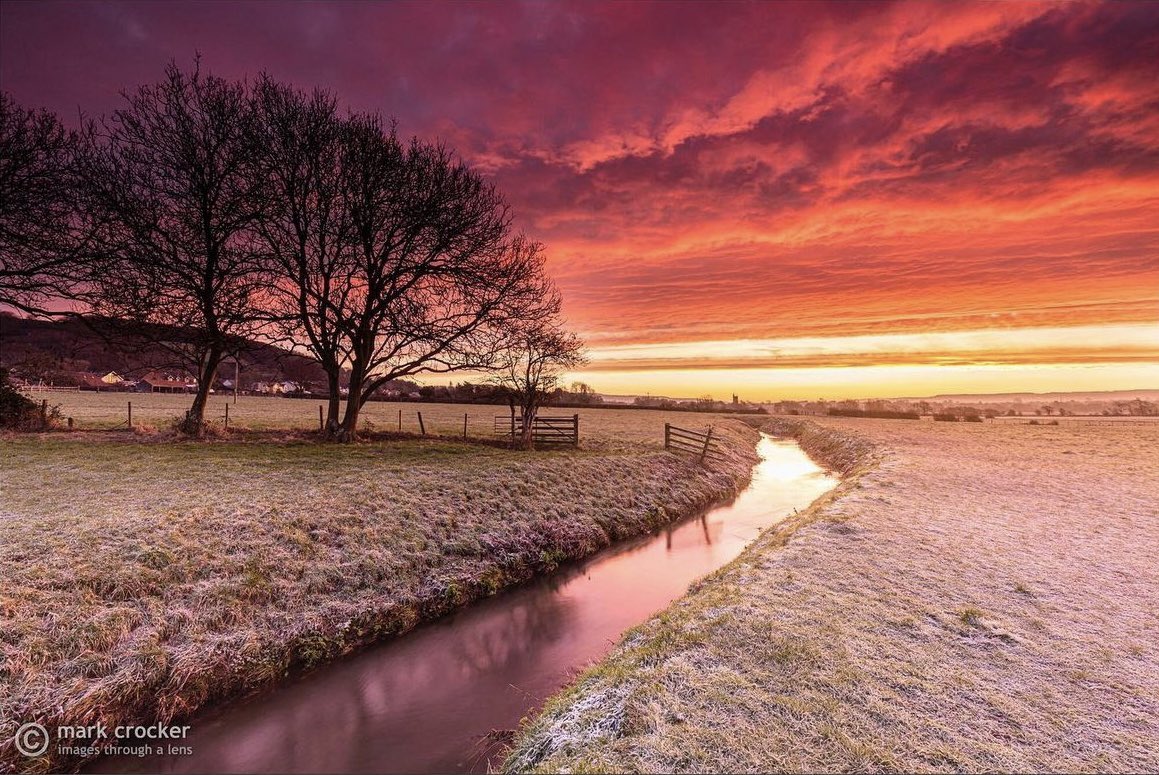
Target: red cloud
[(701, 171)]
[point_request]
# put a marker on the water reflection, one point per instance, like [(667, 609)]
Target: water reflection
[(430, 701)]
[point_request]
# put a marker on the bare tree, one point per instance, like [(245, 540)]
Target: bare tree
[(40, 238), (171, 179), (535, 356), (305, 229), (385, 259), (437, 275)]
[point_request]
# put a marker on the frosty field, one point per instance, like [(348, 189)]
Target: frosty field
[(971, 598), (141, 579)]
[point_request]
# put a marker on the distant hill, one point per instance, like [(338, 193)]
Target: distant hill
[(53, 350), (1061, 403), (1006, 398)]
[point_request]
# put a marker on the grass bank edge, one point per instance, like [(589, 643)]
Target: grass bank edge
[(593, 706), (235, 676)]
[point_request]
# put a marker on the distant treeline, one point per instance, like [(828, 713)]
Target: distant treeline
[(961, 415), (579, 397), (880, 414), (950, 417)]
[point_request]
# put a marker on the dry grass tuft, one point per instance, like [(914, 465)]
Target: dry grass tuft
[(970, 598)]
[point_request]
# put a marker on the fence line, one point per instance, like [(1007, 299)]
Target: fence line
[(51, 389), (702, 445)]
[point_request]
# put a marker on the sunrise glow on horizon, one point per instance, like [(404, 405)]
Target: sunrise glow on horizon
[(1079, 358), (779, 200)]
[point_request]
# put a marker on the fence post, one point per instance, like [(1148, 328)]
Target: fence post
[(227, 416), (575, 429), (422, 428), (464, 425), (70, 423), (400, 421), (707, 441), (321, 423), (667, 433), (130, 415)]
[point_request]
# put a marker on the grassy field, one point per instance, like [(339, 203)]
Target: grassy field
[(970, 598), (141, 579)]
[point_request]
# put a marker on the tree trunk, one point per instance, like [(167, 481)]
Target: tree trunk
[(194, 422), (529, 412), (333, 404), (348, 430)]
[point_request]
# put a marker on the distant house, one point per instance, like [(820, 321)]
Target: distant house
[(113, 378), (277, 388), (165, 383), (87, 380)]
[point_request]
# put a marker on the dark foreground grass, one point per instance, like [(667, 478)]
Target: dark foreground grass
[(141, 581)]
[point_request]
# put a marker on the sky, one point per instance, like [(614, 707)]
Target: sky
[(772, 199)]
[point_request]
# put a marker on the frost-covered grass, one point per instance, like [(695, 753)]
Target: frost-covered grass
[(970, 598), (141, 579)]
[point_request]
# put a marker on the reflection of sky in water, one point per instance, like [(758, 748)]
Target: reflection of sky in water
[(780, 463), (423, 702)]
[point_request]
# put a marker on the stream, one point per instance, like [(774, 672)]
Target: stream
[(439, 698)]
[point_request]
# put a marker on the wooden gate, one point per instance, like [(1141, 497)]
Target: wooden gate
[(682, 440), (559, 431)]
